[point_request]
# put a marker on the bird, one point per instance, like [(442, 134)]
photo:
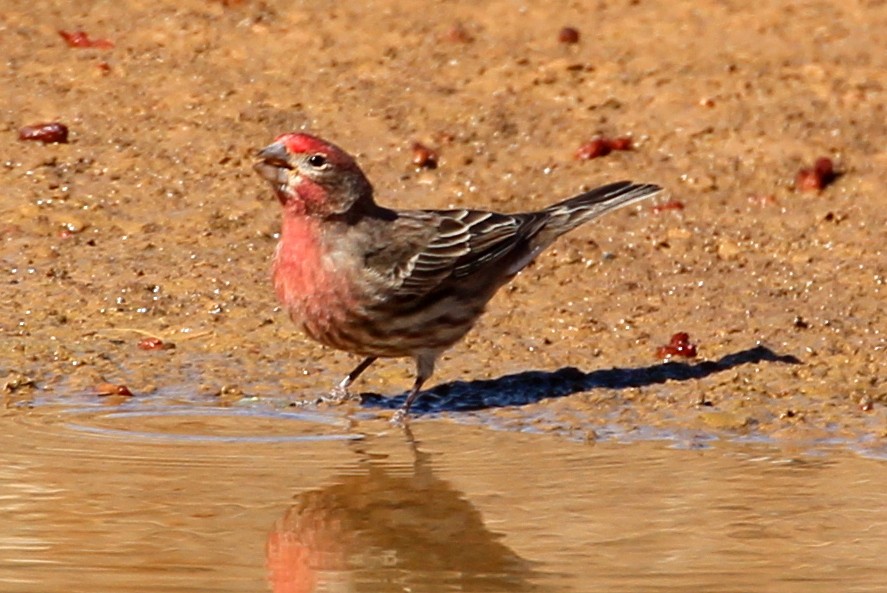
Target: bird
[(383, 283)]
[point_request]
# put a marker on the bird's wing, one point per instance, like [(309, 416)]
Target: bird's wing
[(462, 242)]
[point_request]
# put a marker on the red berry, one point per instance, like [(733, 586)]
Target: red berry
[(52, 132), (688, 351), (665, 352), (824, 167), (568, 35), (679, 339), (678, 345), (151, 344), (621, 143), (817, 177), (424, 157), (591, 150), (602, 146), (808, 180)]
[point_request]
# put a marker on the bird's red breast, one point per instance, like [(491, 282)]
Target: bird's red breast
[(305, 280)]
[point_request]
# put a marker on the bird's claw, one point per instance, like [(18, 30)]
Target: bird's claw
[(338, 395), (399, 419)]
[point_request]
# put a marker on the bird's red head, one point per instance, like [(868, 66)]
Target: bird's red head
[(312, 176)]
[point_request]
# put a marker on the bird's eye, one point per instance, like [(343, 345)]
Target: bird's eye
[(317, 160)]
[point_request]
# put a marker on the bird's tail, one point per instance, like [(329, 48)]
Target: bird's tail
[(570, 213), (552, 222)]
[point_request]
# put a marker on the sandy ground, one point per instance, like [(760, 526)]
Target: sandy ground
[(149, 222)]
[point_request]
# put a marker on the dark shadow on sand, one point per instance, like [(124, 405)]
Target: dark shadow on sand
[(532, 386)]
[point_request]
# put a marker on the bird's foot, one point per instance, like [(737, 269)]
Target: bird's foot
[(338, 395), (399, 418)]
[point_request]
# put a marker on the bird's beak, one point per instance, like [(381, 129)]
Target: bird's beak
[(273, 164)]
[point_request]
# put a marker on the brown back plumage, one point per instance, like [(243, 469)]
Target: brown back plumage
[(438, 268), (488, 244)]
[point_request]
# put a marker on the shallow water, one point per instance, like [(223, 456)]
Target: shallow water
[(153, 497)]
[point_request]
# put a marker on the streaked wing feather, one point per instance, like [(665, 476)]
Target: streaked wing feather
[(443, 245), (467, 240)]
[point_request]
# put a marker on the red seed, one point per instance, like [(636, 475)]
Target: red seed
[(50, 132), (568, 35), (151, 344), (112, 389), (669, 205), (423, 156), (82, 39), (104, 67), (591, 150)]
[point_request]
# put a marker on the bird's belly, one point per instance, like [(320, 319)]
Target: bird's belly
[(396, 331)]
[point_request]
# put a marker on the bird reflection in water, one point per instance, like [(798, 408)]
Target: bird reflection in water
[(390, 528)]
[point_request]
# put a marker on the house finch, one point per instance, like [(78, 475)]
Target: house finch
[(378, 282)]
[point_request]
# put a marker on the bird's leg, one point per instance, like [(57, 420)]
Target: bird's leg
[(424, 370), (401, 414), (339, 393)]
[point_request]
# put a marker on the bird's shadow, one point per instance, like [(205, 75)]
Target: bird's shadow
[(532, 386)]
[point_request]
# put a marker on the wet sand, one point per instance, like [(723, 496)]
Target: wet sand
[(150, 222)]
